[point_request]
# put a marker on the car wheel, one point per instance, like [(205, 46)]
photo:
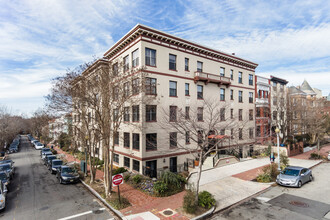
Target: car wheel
[(299, 184), (310, 178)]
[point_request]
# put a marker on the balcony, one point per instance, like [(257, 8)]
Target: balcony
[(208, 77)]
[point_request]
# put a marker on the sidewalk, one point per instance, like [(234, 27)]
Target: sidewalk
[(140, 202), (323, 151), (229, 184)]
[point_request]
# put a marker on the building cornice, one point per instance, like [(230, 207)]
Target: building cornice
[(144, 31)]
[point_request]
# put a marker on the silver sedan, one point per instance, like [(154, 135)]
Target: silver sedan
[(294, 176)]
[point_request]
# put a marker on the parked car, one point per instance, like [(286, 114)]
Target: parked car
[(48, 160), (294, 176), (43, 150), (3, 194), (8, 162), (8, 169), (329, 156), (55, 165), (4, 178), (67, 174), (38, 146), (46, 154)]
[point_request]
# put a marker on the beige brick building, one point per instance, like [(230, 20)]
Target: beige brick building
[(181, 75)]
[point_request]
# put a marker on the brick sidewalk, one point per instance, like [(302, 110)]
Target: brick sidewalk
[(250, 174), (323, 151), (141, 202)]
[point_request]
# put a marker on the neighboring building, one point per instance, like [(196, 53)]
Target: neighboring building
[(262, 104), (181, 74), (59, 125), (278, 105)]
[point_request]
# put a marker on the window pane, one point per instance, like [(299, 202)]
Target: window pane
[(135, 58), (173, 88), (199, 66), (172, 62), (199, 92), (186, 64), (150, 57)]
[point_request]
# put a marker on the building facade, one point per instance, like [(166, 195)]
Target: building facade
[(59, 125), (262, 103), (181, 75)]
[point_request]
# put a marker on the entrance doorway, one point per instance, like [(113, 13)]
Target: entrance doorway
[(151, 168), (173, 165)]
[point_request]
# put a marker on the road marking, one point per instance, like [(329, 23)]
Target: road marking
[(81, 214), (264, 199)]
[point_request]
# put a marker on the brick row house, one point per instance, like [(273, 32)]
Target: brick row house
[(181, 75)]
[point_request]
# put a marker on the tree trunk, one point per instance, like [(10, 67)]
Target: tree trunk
[(92, 173), (199, 174)]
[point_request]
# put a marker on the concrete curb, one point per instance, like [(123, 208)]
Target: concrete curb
[(206, 214), (117, 213)]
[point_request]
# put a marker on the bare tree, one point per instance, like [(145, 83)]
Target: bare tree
[(106, 90), (205, 127)]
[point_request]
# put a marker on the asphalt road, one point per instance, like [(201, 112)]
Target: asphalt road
[(35, 193), (311, 201)]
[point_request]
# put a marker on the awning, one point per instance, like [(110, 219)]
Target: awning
[(213, 136)]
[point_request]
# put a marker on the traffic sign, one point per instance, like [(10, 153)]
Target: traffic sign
[(117, 179)]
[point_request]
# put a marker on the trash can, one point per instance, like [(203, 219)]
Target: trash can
[(83, 166)]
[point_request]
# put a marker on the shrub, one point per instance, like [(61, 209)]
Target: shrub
[(119, 170), (315, 155), (127, 177), (189, 204), (160, 188), (269, 150), (114, 201), (284, 161), (264, 178), (206, 199), (53, 151), (137, 179), (173, 179)]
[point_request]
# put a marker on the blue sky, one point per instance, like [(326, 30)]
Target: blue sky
[(40, 40)]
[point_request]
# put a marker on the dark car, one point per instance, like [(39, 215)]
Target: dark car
[(66, 174), (56, 163), (7, 161), (49, 159), (4, 178), (7, 168), (44, 150), (45, 155), (294, 176)]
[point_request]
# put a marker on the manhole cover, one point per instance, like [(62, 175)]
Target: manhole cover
[(299, 204), (168, 212)]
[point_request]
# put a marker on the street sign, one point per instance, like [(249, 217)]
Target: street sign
[(117, 179)]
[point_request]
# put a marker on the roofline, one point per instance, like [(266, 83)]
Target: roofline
[(144, 27), (274, 78)]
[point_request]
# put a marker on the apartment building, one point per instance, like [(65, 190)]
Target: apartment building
[(180, 75), (262, 103), (59, 125)]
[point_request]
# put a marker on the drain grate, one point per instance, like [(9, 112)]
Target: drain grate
[(168, 212), (299, 204)]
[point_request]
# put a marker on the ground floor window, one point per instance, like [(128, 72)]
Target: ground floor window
[(136, 165), (116, 158), (127, 162)]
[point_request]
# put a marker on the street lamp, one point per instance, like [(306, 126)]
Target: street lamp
[(86, 137), (278, 148)]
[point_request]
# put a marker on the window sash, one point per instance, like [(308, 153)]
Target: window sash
[(173, 88), (172, 62), (136, 141), (240, 96), (127, 161), (186, 64), (187, 89), (126, 63), (151, 112), (136, 165), (151, 86), (199, 66), (135, 58), (199, 92), (200, 114), (126, 114), (173, 139), (151, 141), (135, 113), (173, 113), (222, 94), (240, 80), (222, 71), (150, 57), (126, 139)]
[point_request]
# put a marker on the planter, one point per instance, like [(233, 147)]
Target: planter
[(196, 162)]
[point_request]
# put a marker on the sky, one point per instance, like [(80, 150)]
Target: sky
[(40, 40)]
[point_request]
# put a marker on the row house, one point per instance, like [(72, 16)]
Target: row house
[(181, 75), (262, 104)]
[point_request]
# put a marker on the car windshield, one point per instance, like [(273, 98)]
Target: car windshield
[(5, 167), (67, 170), (3, 176), (45, 149), (57, 163), (291, 172)]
